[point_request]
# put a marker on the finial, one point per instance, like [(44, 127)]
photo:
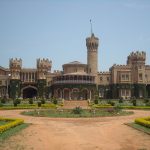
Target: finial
[(91, 27)]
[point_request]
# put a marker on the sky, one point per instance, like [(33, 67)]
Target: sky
[(57, 29)]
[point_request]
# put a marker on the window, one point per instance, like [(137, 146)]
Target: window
[(140, 76), (107, 78), (127, 77), (123, 77), (101, 78), (0, 82)]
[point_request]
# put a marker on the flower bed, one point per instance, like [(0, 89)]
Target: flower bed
[(143, 121), (11, 123)]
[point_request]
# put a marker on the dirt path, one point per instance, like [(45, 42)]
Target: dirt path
[(103, 133)]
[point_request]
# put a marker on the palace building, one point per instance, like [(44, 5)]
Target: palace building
[(77, 80)]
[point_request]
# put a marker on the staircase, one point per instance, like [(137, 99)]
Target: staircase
[(70, 104)]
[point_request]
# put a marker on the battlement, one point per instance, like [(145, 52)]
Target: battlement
[(104, 73), (44, 63), (92, 42), (15, 63), (136, 56)]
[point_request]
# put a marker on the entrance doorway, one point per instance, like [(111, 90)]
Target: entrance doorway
[(29, 92)]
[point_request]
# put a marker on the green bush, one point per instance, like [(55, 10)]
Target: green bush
[(39, 103), (15, 102), (3, 100), (55, 101), (146, 100), (1, 105), (42, 101), (30, 101), (120, 100), (77, 110), (96, 101), (18, 101), (111, 103), (134, 102), (148, 103)]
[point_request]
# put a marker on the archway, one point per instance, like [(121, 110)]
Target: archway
[(29, 92), (66, 94), (85, 94), (75, 94)]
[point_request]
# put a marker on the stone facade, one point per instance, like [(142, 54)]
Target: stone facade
[(77, 80)]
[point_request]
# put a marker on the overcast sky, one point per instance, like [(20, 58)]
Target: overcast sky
[(57, 29)]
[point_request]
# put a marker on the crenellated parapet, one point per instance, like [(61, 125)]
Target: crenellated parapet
[(15, 66), (104, 73), (135, 57), (92, 43), (43, 66), (15, 63)]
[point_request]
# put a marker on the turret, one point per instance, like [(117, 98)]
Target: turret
[(92, 54), (15, 66), (136, 58), (43, 66)]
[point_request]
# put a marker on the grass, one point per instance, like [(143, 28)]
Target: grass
[(3, 122), (69, 113), (12, 131), (139, 127)]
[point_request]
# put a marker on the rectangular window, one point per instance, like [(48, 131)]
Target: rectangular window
[(127, 77), (140, 76), (123, 77), (107, 78), (0, 82)]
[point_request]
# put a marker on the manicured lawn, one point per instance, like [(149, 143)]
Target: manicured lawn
[(139, 127), (70, 114)]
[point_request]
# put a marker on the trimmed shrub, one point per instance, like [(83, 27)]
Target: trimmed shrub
[(30, 101), (96, 101), (1, 105), (42, 101), (11, 123), (77, 110), (18, 101), (55, 101), (143, 121), (134, 102), (120, 100), (15, 102), (3, 100), (111, 103), (39, 103)]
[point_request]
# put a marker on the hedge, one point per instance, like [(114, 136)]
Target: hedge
[(143, 121), (33, 106), (12, 123)]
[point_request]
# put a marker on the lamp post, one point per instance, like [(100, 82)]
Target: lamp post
[(7, 95)]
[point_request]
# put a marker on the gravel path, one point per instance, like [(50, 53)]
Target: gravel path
[(102, 133)]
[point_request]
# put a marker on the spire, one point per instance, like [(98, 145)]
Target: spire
[(91, 27)]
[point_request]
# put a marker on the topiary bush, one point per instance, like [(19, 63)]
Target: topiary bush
[(134, 102), (3, 100), (120, 100), (111, 103), (55, 101), (77, 110), (30, 101), (42, 101), (39, 103), (15, 102)]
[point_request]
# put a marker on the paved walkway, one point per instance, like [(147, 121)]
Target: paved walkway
[(102, 133)]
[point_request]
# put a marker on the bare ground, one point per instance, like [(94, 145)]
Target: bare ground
[(102, 133)]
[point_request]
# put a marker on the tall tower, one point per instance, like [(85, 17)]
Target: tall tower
[(92, 54)]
